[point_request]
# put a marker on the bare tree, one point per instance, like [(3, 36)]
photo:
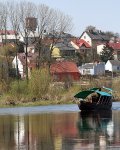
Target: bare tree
[(53, 22), (27, 9), (48, 20), (3, 28), (44, 15), (60, 23), (14, 17), (4, 20)]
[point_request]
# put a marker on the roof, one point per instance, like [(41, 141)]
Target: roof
[(63, 67), (84, 94), (97, 35), (9, 32), (115, 46), (81, 42), (88, 66), (65, 45), (59, 35), (115, 62)]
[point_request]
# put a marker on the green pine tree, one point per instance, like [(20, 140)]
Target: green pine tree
[(107, 54)]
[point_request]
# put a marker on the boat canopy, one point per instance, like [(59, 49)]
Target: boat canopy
[(109, 89), (94, 89), (103, 93), (84, 94)]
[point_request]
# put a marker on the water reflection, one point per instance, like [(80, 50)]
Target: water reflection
[(95, 128), (60, 131)]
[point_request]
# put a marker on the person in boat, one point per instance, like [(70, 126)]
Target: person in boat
[(93, 98)]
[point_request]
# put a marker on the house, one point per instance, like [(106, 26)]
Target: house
[(65, 48), (112, 65), (92, 68), (81, 45), (62, 70), (94, 38), (116, 49), (8, 36), (20, 61)]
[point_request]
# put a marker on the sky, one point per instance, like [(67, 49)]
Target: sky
[(103, 14)]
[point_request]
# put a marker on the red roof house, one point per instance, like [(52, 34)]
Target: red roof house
[(63, 70), (81, 42), (116, 48)]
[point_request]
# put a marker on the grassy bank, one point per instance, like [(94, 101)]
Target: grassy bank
[(40, 90), (57, 94)]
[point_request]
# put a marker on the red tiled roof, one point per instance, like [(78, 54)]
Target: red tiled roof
[(81, 42), (115, 46), (11, 32), (63, 67)]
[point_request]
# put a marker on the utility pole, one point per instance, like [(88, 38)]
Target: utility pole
[(26, 54)]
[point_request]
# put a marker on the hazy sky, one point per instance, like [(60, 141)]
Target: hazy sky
[(103, 14)]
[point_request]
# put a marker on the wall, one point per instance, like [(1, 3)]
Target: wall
[(108, 66), (99, 69), (86, 38), (100, 48), (20, 66)]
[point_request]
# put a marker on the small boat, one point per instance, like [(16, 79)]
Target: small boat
[(95, 99)]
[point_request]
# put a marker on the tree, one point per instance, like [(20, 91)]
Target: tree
[(14, 18), (60, 23), (107, 54), (4, 21), (51, 23), (90, 28), (44, 15), (26, 9), (48, 21), (6, 55)]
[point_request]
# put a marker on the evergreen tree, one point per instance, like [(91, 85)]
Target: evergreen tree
[(107, 54)]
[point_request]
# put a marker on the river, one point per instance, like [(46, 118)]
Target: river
[(59, 127)]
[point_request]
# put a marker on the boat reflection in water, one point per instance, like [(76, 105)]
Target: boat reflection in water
[(95, 129)]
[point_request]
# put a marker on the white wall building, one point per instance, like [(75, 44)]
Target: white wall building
[(92, 68), (8, 35), (100, 48), (17, 61), (112, 65), (87, 38)]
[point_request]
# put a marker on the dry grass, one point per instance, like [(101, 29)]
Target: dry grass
[(55, 93)]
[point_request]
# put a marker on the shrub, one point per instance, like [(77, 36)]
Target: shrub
[(39, 83), (19, 87)]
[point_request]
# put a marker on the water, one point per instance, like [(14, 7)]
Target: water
[(59, 127)]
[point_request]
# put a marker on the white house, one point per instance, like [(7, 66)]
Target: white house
[(20, 61), (92, 68), (8, 35), (112, 65), (86, 37), (94, 37)]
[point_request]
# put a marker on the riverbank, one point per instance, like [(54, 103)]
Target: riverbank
[(57, 93)]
